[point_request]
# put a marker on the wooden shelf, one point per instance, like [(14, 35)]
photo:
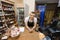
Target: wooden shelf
[(7, 6), (7, 12), (7, 2)]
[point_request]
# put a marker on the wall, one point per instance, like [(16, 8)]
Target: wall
[(47, 1), (29, 6), (18, 3)]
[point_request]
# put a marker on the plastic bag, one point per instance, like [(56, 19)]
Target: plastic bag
[(15, 32)]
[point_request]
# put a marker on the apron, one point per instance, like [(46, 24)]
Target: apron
[(30, 24)]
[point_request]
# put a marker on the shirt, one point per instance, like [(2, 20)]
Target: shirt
[(27, 18)]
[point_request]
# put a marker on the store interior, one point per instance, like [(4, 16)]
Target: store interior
[(13, 13)]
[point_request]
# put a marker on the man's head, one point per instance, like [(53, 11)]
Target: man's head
[(32, 15)]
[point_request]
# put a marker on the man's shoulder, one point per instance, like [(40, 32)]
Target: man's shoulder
[(35, 18)]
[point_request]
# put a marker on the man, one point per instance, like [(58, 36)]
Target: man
[(31, 22)]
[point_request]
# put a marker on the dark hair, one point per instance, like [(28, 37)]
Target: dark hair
[(33, 12)]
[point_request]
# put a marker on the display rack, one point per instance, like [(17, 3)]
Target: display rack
[(1, 15), (7, 13), (20, 16), (7, 16)]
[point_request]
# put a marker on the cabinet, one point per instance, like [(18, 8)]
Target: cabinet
[(7, 13), (20, 16)]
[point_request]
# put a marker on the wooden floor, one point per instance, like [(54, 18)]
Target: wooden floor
[(27, 36)]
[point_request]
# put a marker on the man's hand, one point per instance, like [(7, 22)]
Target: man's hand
[(31, 30)]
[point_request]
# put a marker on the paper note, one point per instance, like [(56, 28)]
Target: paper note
[(21, 29)]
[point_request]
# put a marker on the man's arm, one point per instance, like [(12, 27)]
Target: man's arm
[(27, 26), (26, 22), (35, 23)]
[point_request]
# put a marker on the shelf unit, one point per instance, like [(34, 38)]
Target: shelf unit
[(58, 11), (20, 16), (1, 16), (49, 13), (7, 13)]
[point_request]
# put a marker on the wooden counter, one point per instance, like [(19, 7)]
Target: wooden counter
[(27, 36)]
